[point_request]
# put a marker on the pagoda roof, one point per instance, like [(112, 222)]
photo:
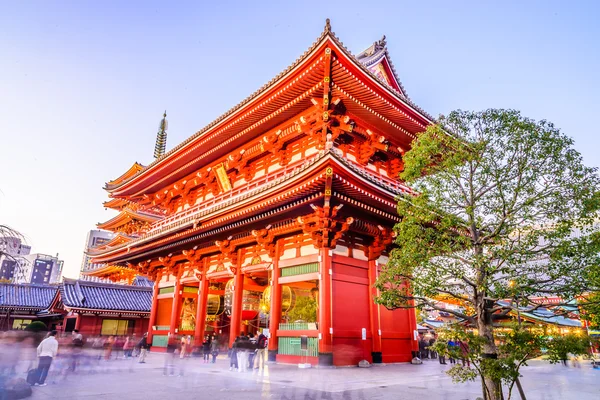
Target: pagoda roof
[(125, 217), (377, 54), (304, 179), (119, 238), (26, 296), (84, 295), (132, 171), (372, 98), (116, 204)]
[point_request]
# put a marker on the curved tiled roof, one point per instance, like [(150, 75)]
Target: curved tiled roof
[(326, 34), (26, 296), (104, 296)]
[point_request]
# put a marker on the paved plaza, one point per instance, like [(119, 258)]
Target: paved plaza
[(126, 379)]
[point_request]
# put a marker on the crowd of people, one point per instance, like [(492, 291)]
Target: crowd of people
[(248, 352), (457, 349), (36, 354)]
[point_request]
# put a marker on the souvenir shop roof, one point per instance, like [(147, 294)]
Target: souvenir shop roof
[(76, 294), (26, 296)]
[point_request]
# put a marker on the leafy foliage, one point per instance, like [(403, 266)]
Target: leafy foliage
[(506, 208), (304, 310), (36, 326)]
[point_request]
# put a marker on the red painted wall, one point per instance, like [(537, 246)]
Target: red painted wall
[(350, 311), (397, 335)]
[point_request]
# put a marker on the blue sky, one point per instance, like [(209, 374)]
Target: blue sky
[(83, 84)]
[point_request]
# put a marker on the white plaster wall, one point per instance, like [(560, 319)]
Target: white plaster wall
[(288, 253), (308, 250)]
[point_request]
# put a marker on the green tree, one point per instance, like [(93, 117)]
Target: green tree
[(505, 208), (36, 326), (305, 310)]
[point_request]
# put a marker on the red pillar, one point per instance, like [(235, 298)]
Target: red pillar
[(173, 326), (78, 321), (152, 320), (325, 322), (275, 313), (236, 312), (374, 314), (201, 309)]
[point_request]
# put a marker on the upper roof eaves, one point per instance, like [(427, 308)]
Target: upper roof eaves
[(326, 34)]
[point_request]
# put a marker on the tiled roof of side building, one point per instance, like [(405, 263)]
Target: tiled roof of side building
[(104, 296), (26, 296)]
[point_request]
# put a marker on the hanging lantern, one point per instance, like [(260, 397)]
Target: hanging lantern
[(215, 305), (250, 302), (288, 299)]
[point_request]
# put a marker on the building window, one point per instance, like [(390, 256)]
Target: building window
[(115, 327), (20, 324)]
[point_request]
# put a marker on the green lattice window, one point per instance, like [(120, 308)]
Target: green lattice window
[(190, 289), (160, 340), (300, 269), (166, 290), (291, 346)]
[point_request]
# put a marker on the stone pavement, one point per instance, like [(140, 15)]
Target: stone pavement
[(123, 379)]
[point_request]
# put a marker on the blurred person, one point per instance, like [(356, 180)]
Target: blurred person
[(206, 349), (76, 349), (252, 354), (214, 349), (261, 351), (143, 348), (46, 352), (183, 347), (127, 347), (244, 347), (108, 347), (233, 361), (464, 349)]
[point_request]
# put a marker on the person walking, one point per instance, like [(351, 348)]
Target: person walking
[(214, 349), (252, 353), (206, 350), (464, 349), (127, 347), (143, 346), (46, 352), (261, 351), (243, 349), (77, 348), (233, 362), (432, 353), (451, 347)]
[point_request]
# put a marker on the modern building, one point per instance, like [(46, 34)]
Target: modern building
[(39, 268), (278, 215), (11, 251), (95, 238)]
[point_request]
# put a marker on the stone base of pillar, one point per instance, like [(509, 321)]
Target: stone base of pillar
[(377, 357), (272, 355), (325, 359)]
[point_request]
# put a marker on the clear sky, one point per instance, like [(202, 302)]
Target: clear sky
[(83, 84)]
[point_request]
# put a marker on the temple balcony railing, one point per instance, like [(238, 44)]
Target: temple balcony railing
[(231, 195)]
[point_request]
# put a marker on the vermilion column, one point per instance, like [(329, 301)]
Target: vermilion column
[(236, 312), (201, 309), (325, 327), (175, 309), (153, 310), (374, 314), (275, 313)]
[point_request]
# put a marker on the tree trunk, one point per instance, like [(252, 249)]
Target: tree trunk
[(485, 330)]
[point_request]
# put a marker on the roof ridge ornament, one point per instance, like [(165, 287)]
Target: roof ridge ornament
[(161, 137), (327, 25)]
